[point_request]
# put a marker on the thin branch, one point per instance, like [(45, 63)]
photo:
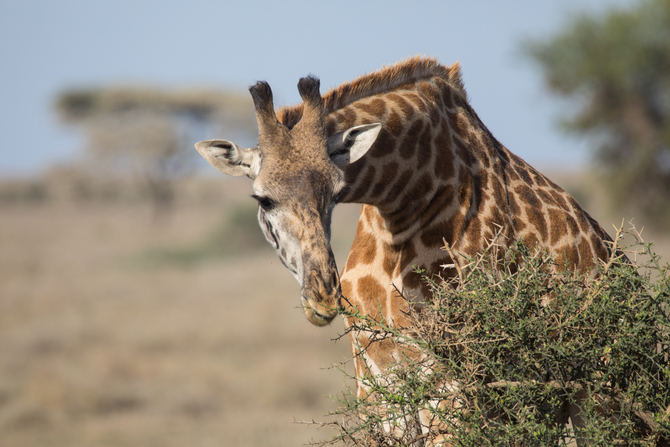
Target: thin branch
[(446, 247)]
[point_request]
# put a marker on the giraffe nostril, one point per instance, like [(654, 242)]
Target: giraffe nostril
[(333, 279), (318, 283)]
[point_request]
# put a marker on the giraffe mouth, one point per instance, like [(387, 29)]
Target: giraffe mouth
[(318, 314)]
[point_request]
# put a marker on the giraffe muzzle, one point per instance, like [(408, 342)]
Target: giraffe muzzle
[(318, 314), (321, 299)]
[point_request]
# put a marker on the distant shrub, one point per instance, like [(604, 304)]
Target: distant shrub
[(509, 344), (23, 191), (144, 136)]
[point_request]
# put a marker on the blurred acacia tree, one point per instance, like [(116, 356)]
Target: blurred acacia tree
[(147, 134), (616, 70)]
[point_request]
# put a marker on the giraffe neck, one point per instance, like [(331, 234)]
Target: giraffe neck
[(435, 172), (419, 168)]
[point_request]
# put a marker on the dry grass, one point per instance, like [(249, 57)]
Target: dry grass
[(97, 349)]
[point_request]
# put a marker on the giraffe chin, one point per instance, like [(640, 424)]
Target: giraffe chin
[(318, 314)]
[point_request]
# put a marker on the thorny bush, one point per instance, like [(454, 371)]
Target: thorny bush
[(509, 345)]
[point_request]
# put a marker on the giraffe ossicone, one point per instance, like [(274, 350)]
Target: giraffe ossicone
[(405, 143)]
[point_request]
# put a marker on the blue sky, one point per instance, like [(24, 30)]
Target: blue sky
[(51, 45)]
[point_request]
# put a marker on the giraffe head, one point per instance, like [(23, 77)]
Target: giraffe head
[(297, 177)]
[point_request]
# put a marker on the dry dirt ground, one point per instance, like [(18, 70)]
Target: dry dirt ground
[(104, 343)]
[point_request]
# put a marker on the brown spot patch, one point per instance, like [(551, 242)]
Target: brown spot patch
[(539, 179), (530, 241), (440, 201), (511, 173), (397, 188), (560, 200), (413, 280), (445, 91), (407, 256), (445, 132), (536, 218), (450, 230), (573, 203), (377, 190), (379, 106), (496, 188), (519, 163), (369, 175), (545, 197), (409, 143), (346, 117), (384, 144), (557, 225), (493, 220), (473, 233), (464, 186), (353, 175), (523, 173), (572, 225), (371, 108), (389, 173), (420, 189), (347, 288), (405, 107), (481, 184), (599, 247), (353, 170), (444, 158), (432, 237), (418, 102), (527, 196), (585, 255), (583, 222), (484, 158), (363, 249), (390, 261), (394, 124), (571, 256), (513, 206), (435, 116), (459, 124), (463, 152), (424, 149), (370, 289), (518, 224)]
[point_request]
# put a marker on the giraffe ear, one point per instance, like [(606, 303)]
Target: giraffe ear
[(349, 145), (229, 158)]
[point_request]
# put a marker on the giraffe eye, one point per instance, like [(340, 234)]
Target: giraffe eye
[(264, 202)]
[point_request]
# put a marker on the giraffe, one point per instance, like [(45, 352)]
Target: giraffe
[(405, 143)]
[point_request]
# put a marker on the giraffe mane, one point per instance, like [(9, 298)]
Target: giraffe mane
[(389, 78)]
